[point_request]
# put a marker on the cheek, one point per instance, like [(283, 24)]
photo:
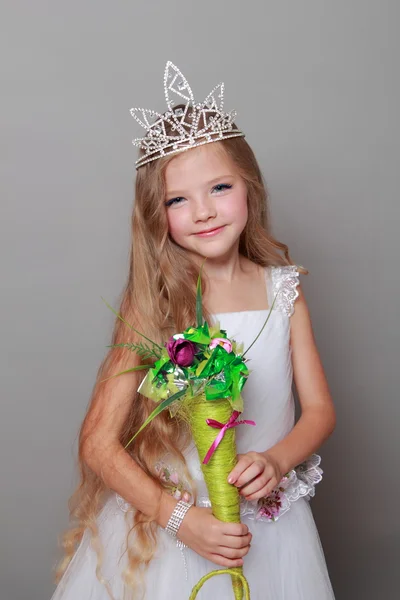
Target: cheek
[(238, 207), (243, 209), (176, 223)]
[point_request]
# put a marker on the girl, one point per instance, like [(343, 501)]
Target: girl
[(200, 194)]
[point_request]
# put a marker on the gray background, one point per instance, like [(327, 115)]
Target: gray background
[(316, 87)]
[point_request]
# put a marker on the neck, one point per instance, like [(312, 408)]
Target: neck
[(223, 268)]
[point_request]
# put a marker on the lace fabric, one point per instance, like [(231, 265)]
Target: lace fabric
[(298, 483), (285, 280)]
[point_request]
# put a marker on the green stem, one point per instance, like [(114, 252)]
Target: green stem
[(129, 325), (163, 405), (261, 330), (199, 302), (139, 368)]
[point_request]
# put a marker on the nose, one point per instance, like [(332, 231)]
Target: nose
[(204, 209)]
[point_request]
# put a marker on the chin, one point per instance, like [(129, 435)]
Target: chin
[(216, 251)]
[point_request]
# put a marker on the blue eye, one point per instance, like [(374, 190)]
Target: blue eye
[(173, 201), (221, 187)]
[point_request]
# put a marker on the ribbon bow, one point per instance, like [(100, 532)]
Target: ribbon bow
[(223, 427)]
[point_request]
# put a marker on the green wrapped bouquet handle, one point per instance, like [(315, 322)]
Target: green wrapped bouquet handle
[(224, 497)]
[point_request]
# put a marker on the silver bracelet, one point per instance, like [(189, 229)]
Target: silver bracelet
[(176, 517)]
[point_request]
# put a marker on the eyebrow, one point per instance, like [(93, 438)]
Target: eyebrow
[(175, 193)]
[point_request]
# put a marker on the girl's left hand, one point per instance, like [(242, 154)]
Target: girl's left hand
[(256, 474)]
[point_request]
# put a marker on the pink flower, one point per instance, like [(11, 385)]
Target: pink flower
[(181, 351), (186, 496), (174, 478), (163, 475), (226, 344)]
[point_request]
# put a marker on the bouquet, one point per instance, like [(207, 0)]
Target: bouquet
[(198, 375)]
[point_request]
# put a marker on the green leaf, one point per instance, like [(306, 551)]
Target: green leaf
[(164, 404), (139, 368), (199, 335), (141, 348), (199, 304), (129, 325)]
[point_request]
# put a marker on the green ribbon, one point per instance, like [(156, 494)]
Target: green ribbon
[(198, 335), (229, 382)]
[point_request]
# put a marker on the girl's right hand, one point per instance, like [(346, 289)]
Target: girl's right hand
[(225, 544)]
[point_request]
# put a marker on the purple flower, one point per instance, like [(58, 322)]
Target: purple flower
[(181, 351), (271, 505)]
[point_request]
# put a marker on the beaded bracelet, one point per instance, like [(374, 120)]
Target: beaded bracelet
[(176, 518)]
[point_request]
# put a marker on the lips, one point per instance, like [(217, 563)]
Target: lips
[(210, 231)]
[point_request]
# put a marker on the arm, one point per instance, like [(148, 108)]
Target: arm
[(223, 543), (103, 453), (318, 418), (258, 473)]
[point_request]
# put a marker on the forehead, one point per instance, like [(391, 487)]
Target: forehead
[(196, 166)]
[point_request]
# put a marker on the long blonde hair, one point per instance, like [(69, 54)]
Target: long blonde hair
[(159, 295)]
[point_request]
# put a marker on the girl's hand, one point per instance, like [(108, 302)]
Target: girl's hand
[(256, 474), (225, 544)]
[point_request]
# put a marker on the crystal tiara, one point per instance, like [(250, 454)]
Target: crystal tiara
[(179, 128)]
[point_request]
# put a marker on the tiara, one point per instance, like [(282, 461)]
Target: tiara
[(202, 124)]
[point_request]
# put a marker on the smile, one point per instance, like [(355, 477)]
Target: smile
[(210, 232)]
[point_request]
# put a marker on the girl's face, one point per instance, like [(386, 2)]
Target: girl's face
[(206, 201)]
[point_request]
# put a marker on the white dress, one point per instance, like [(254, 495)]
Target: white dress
[(286, 560)]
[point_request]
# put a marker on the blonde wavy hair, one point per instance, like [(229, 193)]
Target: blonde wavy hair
[(159, 296)]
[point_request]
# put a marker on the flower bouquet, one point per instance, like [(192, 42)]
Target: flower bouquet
[(199, 375)]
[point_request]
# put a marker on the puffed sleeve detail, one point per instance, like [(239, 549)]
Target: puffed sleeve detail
[(285, 280)]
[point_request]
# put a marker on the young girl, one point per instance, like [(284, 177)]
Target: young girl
[(200, 194)]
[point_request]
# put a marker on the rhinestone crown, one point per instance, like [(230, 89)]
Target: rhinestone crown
[(204, 123)]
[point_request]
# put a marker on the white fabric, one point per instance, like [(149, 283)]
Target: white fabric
[(286, 561)]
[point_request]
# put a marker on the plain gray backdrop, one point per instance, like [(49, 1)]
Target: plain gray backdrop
[(316, 87)]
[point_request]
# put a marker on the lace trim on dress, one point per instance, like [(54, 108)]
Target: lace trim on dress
[(285, 280), (299, 483)]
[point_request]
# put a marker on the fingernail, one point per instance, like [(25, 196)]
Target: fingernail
[(230, 479)]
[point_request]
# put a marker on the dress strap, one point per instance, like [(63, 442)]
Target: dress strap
[(285, 280)]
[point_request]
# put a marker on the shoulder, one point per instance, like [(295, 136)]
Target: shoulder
[(290, 300), (286, 287)]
